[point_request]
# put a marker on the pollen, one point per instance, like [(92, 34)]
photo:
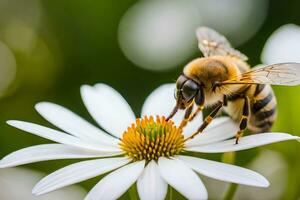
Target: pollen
[(150, 138)]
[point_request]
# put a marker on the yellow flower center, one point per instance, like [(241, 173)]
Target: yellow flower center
[(149, 138)]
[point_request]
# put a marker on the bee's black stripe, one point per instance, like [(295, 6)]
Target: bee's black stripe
[(265, 114), (258, 105), (258, 89), (263, 109), (265, 125)]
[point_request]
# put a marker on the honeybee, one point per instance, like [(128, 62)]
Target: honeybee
[(223, 79)]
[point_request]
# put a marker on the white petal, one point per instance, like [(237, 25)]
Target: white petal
[(246, 142), (283, 45), (150, 184), (48, 152), (225, 172), (59, 137), (182, 178), (116, 183), (73, 124), (76, 173), (161, 102), (221, 128), (108, 108), (193, 126)]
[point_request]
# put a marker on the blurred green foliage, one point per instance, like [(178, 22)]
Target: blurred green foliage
[(77, 44)]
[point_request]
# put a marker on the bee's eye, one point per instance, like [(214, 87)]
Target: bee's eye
[(189, 90), (180, 81), (176, 93)]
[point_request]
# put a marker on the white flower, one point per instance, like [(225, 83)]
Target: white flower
[(146, 150)]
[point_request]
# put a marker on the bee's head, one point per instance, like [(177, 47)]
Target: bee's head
[(186, 90)]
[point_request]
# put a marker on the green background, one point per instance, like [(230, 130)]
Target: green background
[(82, 38)]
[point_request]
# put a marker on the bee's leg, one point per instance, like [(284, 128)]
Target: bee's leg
[(207, 120), (199, 101), (244, 120), (187, 115), (199, 109)]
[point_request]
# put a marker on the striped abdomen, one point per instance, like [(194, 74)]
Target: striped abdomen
[(263, 109)]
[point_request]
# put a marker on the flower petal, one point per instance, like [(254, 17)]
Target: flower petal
[(225, 172), (150, 184), (76, 173), (48, 152), (193, 126), (220, 129), (116, 183), (161, 102), (59, 137), (182, 178), (108, 108), (246, 142), (73, 124)]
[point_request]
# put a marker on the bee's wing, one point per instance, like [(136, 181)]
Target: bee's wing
[(212, 43), (277, 74)]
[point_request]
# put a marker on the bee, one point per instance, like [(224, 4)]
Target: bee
[(223, 79)]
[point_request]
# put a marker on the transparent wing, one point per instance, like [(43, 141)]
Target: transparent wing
[(212, 43), (277, 74)]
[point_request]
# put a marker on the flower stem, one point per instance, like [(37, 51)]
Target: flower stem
[(171, 193), (230, 159), (230, 191)]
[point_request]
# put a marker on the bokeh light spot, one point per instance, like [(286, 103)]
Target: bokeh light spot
[(238, 20), (7, 67), (283, 45), (158, 35), (24, 42)]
